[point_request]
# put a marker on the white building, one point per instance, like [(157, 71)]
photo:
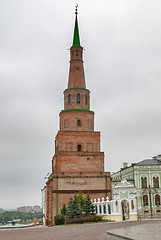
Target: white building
[(123, 205)]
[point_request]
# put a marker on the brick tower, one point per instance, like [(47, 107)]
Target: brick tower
[(78, 163)]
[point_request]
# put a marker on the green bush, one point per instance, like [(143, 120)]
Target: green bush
[(63, 210), (73, 209), (89, 208), (84, 219), (59, 219)]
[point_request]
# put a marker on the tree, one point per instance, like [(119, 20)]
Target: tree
[(11, 215), (63, 210), (69, 208), (81, 200), (73, 209), (89, 208)]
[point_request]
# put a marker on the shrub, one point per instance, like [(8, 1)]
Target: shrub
[(84, 219), (59, 219)]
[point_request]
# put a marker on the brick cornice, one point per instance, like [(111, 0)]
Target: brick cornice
[(84, 191)]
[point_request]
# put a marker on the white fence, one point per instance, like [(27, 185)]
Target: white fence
[(123, 207)]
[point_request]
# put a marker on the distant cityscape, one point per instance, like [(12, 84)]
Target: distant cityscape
[(24, 209)]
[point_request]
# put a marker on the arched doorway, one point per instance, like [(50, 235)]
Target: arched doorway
[(125, 210)]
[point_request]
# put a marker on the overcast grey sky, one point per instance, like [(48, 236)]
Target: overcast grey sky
[(122, 41)]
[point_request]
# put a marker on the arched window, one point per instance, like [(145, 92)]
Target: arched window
[(156, 182), (86, 100), (78, 98), (76, 52), (79, 123), (69, 99), (79, 147), (144, 182), (145, 200), (157, 199)]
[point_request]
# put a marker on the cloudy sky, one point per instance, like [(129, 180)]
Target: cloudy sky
[(122, 41)]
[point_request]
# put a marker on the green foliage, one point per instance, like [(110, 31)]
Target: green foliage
[(73, 208), (69, 208), (89, 208), (11, 215), (59, 219), (63, 210), (80, 206), (81, 200), (84, 219)]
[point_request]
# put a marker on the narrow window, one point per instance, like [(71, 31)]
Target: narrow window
[(157, 200), (78, 98), (104, 208), (86, 102), (76, 52), (79, 123), (156, 182), (109, 209), (100, 209), (79, 147), (69, 99), (144, 182), (96, 209), (72, 53), (145, 200)]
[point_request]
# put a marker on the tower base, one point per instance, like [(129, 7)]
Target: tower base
[(62, 186)]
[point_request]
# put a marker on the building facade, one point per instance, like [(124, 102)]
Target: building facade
[(123, 205), (27, 209), (78, 164), (146, 177)]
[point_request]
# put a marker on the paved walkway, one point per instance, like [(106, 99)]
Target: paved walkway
[(96, 231), (149, 230)]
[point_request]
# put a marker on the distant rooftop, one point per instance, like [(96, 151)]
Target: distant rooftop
[(147, 162), (156, 160)]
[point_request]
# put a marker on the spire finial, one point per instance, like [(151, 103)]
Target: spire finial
[(76, 8), (76, 41)]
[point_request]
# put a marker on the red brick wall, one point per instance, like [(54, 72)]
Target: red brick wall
[(76, 71), (79, 162), (84, 138), (73, 93), (68, 121)]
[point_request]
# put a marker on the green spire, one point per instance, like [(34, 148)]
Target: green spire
[(76, 41)]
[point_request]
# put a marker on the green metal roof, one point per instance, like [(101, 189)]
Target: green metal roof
[(76, 41)]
